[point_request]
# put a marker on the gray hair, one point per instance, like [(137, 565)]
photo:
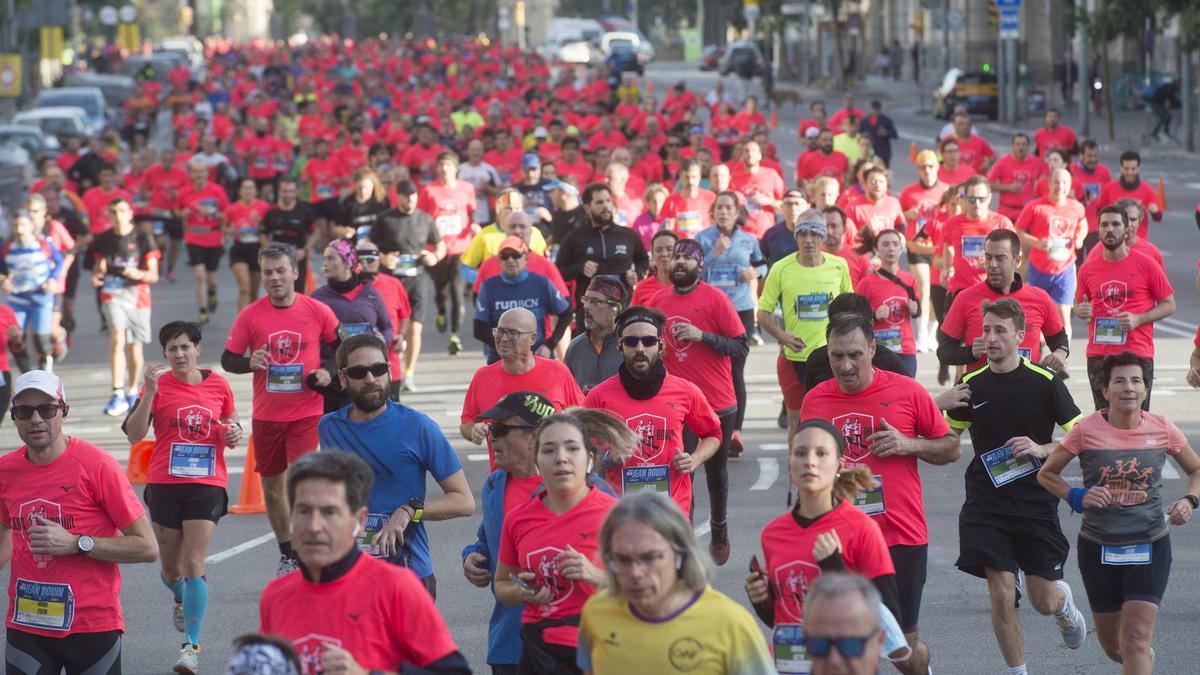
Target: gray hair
[(1127, 203), (661, 514), (835, 584)]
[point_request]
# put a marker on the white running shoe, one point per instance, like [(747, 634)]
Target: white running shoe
[(188, 662), (177, 617), (287, 565), (1071, 622)]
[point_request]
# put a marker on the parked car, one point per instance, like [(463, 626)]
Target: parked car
[(59, 121), (153, 66), (90, 99), (16, 175), (619, 23), (30, 139), (567, 49), (116, 89), (743, 58), (978, 91)]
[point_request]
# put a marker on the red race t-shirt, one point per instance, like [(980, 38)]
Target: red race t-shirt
[(8, 319), (1133, 284), (395, 298), (246, 219), (379, 612), (765, 182), (260, 157), (894, 332), (420, 160), (517, 491), (710, 310), (96, 201), (166, 184), (658, 424), (896, 505), (1091, 182), (646, 289), (531, 540), (86, 492), (1060, 227), (451, 209), (924, 200), (686, 216), (535, 263), (788, 552), (957, 176), (881, 215), (202, 211), (293, 335), (1009, 169), (967, 238), (974, 151), (323, 176), (1061, 138), (189, 440), (964, 320), (812, 165)]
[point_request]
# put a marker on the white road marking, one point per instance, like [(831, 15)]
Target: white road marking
[(240, 548), (773, 447), (703, 528), (477, 457), (915, 137), (1169, 472), (768, 473), (1178, 323)]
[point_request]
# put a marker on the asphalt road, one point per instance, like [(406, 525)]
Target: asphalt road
[(955, 620)]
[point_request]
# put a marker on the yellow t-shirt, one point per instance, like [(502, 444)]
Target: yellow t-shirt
[(712, 636), (804, 293), (848, 146), (486, 244)]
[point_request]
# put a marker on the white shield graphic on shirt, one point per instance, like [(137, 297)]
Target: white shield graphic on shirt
[(284, 346), (791, 582), (678, 346), (651, 431), (1113, 294), (897, 309), (195, 422), (310, 649), (32, 512), (1058, 227), (544, 563), (856, 428)]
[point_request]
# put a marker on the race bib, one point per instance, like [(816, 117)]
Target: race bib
[(889, 338), (407, 265), (324, 191), (812, 307), (1133, 554), (654, 478), (449, 226), (44, 606), (158, 227), (345, 330), (1108, 331), (1025, 353), (1091, 191), (193, 460), (367, 542), (362, 232), (724, 276), (1059, 250), (248, 235), (261, 162), (112, 284), (972, 247), (281, 164), (285, 379), (752, 205), (687, 224), (870, 501), (1003, 467), (621, 218), (787, 642)]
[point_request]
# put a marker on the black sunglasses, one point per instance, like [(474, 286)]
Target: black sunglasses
[(511, 255), (500, 429), (632, 341), (47, 411), (849, 647), (359, 372)]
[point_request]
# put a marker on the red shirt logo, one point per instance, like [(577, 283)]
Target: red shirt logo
[(285, 346), (311, 649), (856, 428), (651, 431), (32, 513), (195, 422), (1113, 294), (897, 309), (678, 346), (791, 583), (544, 563), (1058, 227)]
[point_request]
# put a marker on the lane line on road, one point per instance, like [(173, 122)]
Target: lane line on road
[(915, 137), (240, 548), (768, 473), (772, 447), (703, 528), (477, 457)]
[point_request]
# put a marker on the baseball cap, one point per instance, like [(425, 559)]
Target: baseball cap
[(514, 243), (41, 380), (406, 187), (560, 185), (530, 161), (530, 406), (609, 286), (812, 132), (540, 132)]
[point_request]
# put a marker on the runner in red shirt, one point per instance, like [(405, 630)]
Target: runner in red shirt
[(421, 157), (689, 209), (963, 236), (662, 251), (893, 295), (167, 181), (194, 421), (243, 219), (1054, 136), (1120, 295), (97, 199), (656, 405), (259, 153), (64, 587), (762, 187), (1135, 212), (284, 333), (953, 170), (1091, 176), (889, 422), (974, 150), (824, 162), (325, 176), (1053, 228), (450, 202), (920, 202), (506, 158), (344, 611), (395, 297), (202, 208), (1131, 185), (1014, 177), (878, 210)]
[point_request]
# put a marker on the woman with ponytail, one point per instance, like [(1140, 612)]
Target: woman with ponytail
[(893, 295)]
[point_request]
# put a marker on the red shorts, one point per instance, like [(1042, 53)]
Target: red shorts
[(789, 382), (278, 444)]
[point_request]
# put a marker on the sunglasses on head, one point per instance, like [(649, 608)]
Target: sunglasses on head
[(849, 647), (368, 257), (45, 411), (359, 372), (632, 341), (511, 255), (500, 429)]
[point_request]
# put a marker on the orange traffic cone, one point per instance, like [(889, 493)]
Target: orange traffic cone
[(310, 283), (775, 117), (250, 500), (1162, 195), (139, 462), (912, 153)]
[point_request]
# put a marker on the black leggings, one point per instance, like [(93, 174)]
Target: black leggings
[(738, 364), (937, 295), (448, 283), (716, 471), (93, 653)]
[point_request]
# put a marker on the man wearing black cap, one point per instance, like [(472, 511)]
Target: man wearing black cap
[(594, 356), (404, 235)]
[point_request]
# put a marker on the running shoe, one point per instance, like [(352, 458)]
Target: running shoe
[(117, 405), (188, 662), (455, 345), (132, 401), (441, 322), (409, 384), (203, 317), (783, 420), (287, 565), (718, 543), (177, 616), (735, 444), (171, 276), (212, 300), (756, 339), (1070, 622)]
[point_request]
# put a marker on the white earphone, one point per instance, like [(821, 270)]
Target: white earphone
[(357, 529)]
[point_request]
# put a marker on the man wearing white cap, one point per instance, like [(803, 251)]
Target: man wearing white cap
[(68, 502)]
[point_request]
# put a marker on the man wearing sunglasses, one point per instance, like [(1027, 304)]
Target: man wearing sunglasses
[(396, 505), (395, 298), (964, 235), (74, 521), (842, 631), (518, 287)]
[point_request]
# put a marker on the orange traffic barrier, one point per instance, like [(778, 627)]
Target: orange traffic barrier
[(775, 117), (310, 283), (912, 153), (138, 469), (1162, 195), (250, 499)]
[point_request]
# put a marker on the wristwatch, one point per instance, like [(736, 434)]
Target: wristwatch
[(85, 545), (1193, 500), (418, 507)]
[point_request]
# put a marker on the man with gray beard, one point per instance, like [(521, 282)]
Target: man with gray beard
[(593, 357)]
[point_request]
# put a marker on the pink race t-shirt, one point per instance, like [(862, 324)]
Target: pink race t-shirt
[(189, 440)]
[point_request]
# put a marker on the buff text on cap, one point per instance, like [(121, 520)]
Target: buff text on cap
[(528, 405), (40, 380)]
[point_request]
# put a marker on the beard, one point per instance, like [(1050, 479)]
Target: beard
[(684, 278), (1120, 241), (603, 219), (369, 397)]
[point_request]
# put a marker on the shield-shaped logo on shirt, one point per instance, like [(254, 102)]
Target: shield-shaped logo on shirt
[(195, 422), (791, 582), (651, 431), (544, 563), (1113, 294), (856, 428), (310, 649), (897, 309), (285, 346), (678, 346)]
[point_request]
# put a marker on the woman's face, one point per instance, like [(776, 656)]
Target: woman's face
[(1126, 389), (814, 461), (334, 266), (655, 202), (366, 187), (181, 354), (247, 192), (725, 211), (888, 247), (562, 458)]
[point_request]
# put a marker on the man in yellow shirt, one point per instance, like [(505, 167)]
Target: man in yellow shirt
[(486, 243)]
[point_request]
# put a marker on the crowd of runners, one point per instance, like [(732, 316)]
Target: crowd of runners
[(618, 256)]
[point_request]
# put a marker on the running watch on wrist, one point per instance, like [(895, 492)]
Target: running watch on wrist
[(1193, 500), (418, 507), (85, 545)]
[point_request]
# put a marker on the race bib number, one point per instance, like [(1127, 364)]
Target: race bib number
[(870, 501), (159, 227), (345, 330), (1025, 353), (281, 164), (752, 205), (362, 232), (407, 265), (248, 235), (812, 307), (972, 247), (1133, 554), (889, 338), (1091, 191), (1059, 250), (112, 284), (724, 276), (193, 460), (449, 226), (687, 224), (1003, 467), (261, 162), (285, 379), (654, 478), (325, 192), (44, 606), (791, 658), (368, 541), (1108, 331)]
